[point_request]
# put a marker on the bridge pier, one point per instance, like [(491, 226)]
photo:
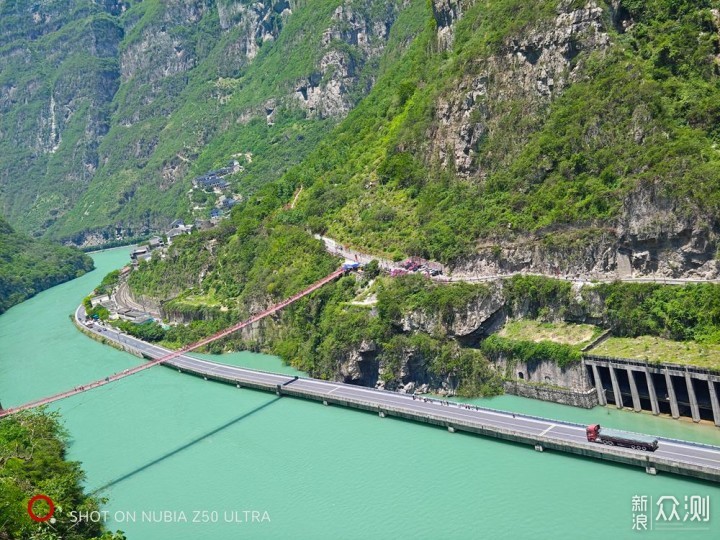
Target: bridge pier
[(651, 390), (675, 411), (713, 401), (616, 388), (694, 408), (598, 386), (637, 407)]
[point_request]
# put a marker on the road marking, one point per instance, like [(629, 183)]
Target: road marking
[(548, 429)]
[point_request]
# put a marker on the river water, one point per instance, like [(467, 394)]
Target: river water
[(162, 446)]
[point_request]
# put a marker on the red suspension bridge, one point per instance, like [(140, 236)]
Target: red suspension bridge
[(132, 371)]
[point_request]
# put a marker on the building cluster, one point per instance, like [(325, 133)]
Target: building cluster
[(214, 180), (177, 228), (145, 253)]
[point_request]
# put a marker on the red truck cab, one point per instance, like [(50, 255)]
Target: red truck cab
[(592, 432)]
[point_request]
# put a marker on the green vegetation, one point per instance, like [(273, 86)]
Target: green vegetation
[(530, 352), (321, 332), (558, 332), (32, 461), (641, 117), (136, 117), (108, 284), (684, 313), (29, 266), (147, 331), (537, 296), (415, 292), (657, 349), (97, 312)]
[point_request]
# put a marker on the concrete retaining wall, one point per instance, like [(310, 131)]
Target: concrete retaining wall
[(573, 376), (577, 398)]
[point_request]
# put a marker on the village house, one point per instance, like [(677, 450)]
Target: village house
[(156, 242), (177, 231)]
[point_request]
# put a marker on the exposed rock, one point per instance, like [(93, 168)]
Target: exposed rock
[(360, 366), (327, 92), (447, 13), (531, 69), (653, 236), (465, 323), (259, 22)]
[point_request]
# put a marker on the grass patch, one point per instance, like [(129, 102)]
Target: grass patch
[(657, 349), (558, 332)]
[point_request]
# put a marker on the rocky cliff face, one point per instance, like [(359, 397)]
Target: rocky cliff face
[(654, 234), (447, 13), (528, 72), (466, 324), (655, 237), (58, 75), (331, 90)]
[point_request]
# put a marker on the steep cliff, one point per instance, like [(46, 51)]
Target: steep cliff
[(58, 75), (109, 109)]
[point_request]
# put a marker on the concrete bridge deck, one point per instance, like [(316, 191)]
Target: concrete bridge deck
[(679, 457)]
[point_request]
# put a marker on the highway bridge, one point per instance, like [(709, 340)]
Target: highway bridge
[(675, 456)]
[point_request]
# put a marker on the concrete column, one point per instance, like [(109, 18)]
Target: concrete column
[(713, 400), (634, 391), (598, 385), (671, 394), (651, 390), (694, 408), (616, 388)]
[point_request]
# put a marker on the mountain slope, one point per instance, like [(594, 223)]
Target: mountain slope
[(185, 87), (590, 140), (554, 137), (560, 137), (29, 266)]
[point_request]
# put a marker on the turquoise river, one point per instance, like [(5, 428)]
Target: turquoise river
[(162, 441)]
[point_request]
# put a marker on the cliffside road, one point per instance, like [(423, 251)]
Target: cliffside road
[(336, 248), (681, 457)]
